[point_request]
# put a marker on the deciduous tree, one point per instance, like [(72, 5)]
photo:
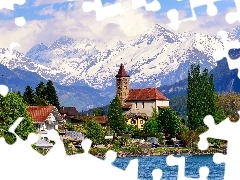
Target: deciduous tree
[(94, 131), (230, 102), (11, 108), (150, 127), (168, 121), (98, 112)]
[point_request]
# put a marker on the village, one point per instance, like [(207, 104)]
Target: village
[(139, 122)]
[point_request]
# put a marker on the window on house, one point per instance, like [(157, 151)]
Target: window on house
[(133, 122), (141, 122), (143, 105), (136, 105)]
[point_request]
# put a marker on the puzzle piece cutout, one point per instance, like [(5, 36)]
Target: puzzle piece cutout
[(20, 156), (228, 45), (104, 12), (232, 17), (229, 131), (9, 4), (153, 6), (173, 14), (180, 162), (4, 90), (101, 11)]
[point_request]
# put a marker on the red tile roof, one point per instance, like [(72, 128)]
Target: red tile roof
[(122, 72), (69, 111), (39, 113), (99, 119), (145, 94)]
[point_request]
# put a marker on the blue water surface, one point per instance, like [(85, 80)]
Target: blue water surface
[(148, 163)]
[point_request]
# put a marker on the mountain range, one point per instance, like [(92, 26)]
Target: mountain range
[(83, 71)]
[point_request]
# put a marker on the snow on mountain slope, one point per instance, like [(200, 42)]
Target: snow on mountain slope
[(157, 56)]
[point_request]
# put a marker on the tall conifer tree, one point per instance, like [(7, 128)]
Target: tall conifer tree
[(40, 90), (29, 96), (116, 119), (51, 94), (201, 96)]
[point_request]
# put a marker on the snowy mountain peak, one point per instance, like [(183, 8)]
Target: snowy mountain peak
[(157, 56), (36, 49)]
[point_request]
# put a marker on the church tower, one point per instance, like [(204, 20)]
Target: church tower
[(122, 84)]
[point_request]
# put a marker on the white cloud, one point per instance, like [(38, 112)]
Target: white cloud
[(78, 24), (48, 10), (6, 12)]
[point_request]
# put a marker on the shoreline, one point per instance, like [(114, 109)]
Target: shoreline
[(164, 152)]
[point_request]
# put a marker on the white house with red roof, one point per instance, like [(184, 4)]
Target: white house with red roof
[(45, 118), (138, 103)]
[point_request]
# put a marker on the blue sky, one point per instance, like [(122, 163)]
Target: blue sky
[(48, 20)]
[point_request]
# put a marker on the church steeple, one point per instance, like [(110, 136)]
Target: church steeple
[(122, 72), (122, 84)]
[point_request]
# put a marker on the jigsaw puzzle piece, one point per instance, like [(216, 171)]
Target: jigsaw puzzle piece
[(157, 174), (58, 149), (20, 21), (101, 11), (232, 17), (180, 162), (173, 14), (9, 4), (220, 131), (4, 90), (153, 6)]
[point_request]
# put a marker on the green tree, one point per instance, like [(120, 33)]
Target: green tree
[(116, 119), (51, 94), (230, 103), (201, 96), (150, 127), (168, 121), (11, 108), (179, 104), (40, 90), (19, 93), (130, 129), (94, 131), (41, 101), (29, 96), (98, 112)]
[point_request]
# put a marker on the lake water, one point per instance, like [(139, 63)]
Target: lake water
[(193, 163)]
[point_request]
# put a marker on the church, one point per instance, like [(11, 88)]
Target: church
[(138, 104)]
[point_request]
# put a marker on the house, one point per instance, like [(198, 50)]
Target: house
[(45, 118), (102, 120), (69, 113), (138, 104)]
